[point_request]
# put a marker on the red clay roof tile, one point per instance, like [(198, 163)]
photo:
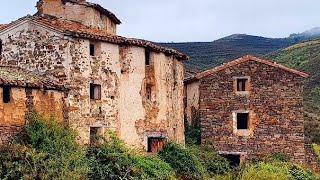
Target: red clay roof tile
[(76, 29), (18, 77)]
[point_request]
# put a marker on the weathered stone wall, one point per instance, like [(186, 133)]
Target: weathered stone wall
[(36, 49), (162, 115), (120, 71), (192, 102), (275, 106), (79, 13), (13, 114), (103, 69)]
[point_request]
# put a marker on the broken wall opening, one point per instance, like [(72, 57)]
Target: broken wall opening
[(156, 144), (234, 159)]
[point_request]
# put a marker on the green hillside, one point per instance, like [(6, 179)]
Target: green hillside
[(306, 57), (205, 55)]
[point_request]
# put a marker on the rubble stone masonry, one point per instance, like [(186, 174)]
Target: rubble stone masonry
[(274, 103), (121, 72)]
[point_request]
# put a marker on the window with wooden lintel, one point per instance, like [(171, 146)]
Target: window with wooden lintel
[(95, 91), (242, 84), (242, 121), (156, 144), (6, 94)]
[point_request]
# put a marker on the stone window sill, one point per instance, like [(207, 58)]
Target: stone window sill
[(243, 132), (242, 93)]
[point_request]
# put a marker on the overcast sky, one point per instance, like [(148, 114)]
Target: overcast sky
[(197, 20)]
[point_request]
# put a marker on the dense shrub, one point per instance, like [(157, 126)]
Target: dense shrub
[(214, 163), (276, 171), (316, 149), (153, 168), (183, 161), (264, 171), (193, 135), (112, 160), (277, 157), (297, 173), (46, 150)]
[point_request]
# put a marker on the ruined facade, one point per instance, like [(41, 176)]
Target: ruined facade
[(131, 86), (23, 93), (251, 107)]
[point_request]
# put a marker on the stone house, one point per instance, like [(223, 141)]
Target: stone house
[(131, 86), (250, 107)]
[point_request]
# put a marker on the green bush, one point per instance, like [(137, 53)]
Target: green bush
[(214, 163), (298, 173), (153, 168), (277, 157), (193, 135), (183, 161), (316, 149), (112, 160), (276, 170), (46, 150), (264, 171)]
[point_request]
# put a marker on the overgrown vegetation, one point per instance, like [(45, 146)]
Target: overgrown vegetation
[(112, 160), (48, 150)]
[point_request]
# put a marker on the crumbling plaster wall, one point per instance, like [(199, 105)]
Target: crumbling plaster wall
[(79, 13), (12, 115), (162, 115), (122, 74), (36, 49), (275, 103), (192, 101), (103, 69)]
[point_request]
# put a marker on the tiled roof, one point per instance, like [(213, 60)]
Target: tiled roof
[(99, 8), (76, 29), (2, 26), (245, 59), (20, 78)]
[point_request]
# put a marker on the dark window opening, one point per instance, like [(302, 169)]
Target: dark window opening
[(147, 56), (0, 47), (242, 120), (233, 159), (242, 84), (149, 93), (92, 50), (95, 92), (94, 134), (156, 144), (6, 94)]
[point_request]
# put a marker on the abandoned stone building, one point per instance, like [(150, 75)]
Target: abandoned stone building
[(249, 107), (89, 77)]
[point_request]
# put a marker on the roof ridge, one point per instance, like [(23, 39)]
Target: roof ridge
[(245, 59), (98, 7)]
